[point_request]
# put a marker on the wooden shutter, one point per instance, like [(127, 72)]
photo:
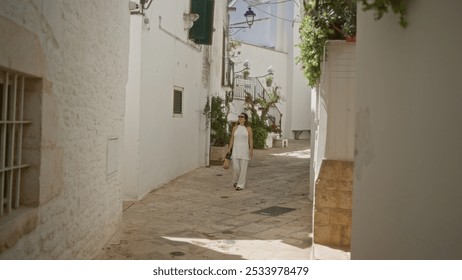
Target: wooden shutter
[(177, 102), (202, 30)]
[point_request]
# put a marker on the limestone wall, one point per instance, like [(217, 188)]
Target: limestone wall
[(75, 53), (408, 159), (333, 204)]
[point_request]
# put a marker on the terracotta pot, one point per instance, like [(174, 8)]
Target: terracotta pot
[(350, 39)]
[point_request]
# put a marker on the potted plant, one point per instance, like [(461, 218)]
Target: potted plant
[(269, 80), (246, 74), (219, 136)]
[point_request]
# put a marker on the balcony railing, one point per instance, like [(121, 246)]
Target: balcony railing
[(255, 88)]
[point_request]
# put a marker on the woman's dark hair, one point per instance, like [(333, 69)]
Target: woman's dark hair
[(246, 117)]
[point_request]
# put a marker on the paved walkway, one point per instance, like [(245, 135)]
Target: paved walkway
[(200, 216)]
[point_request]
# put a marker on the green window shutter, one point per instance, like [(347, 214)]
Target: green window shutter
[(202, 30)]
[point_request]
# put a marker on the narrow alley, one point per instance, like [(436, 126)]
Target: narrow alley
[(200, 216)]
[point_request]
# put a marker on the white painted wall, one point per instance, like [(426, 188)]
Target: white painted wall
[(334, 108), (165, 146), (79, 51), (301, 98), (318, 136), (409, 143), (339, 82), (132, 111), (276, 35), (260, 59)]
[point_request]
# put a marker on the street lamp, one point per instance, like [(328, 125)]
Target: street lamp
[(249, 17)]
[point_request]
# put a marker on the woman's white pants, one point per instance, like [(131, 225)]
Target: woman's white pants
[(239, 172)]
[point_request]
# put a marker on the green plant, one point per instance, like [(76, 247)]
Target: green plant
[(259, 108), (381, 7), (259, 136), (324, 20), (269, 80), (217, 115), (311, 47), (206, 112), (334, 19), (246, 73)]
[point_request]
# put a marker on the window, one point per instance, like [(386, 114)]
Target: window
[(12, 88), (178, 102), (202, 31)]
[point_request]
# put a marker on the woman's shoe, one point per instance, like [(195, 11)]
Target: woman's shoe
[(239, 189), (235, 185)]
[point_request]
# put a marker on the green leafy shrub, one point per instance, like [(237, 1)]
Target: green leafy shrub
[(259, 108), (381, 7), (335, 20), (324, 20), (260, 133), (217, 114)]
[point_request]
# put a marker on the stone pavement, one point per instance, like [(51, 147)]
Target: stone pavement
[(200, 215)]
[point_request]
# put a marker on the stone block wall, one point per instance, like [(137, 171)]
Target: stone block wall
[(333, 204), (76, 52)]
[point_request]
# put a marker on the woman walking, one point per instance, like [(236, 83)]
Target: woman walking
[(241, 145)]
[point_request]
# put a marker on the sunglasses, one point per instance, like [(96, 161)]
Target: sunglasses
[(241, 116)]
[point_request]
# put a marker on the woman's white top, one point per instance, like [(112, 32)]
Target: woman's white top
[(241, 143)]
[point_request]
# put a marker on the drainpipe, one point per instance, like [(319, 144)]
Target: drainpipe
[(209, 98), (207, 132)]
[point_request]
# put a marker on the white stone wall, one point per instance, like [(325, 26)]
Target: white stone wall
[(339, 86), (273, 37), (301, 93), (407, 194), (260, 59), (160, 146), (333, 108), (83, 51)]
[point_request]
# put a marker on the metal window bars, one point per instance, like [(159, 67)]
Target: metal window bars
[(11, 134), (250, 85)]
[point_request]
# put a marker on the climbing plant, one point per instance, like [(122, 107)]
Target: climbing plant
[(335, 20), (324, 20), (382, 6)]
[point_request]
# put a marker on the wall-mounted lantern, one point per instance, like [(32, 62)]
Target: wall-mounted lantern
[(249, 17), (249, 20)]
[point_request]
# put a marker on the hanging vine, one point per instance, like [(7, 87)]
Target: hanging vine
[(382, 7), (335, 20), (324, 20)]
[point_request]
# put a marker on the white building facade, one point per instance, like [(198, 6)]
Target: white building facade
[(170, 79), (111, 107), (271, 41)]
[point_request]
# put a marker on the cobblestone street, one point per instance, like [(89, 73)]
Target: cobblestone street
[(200, 216)]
